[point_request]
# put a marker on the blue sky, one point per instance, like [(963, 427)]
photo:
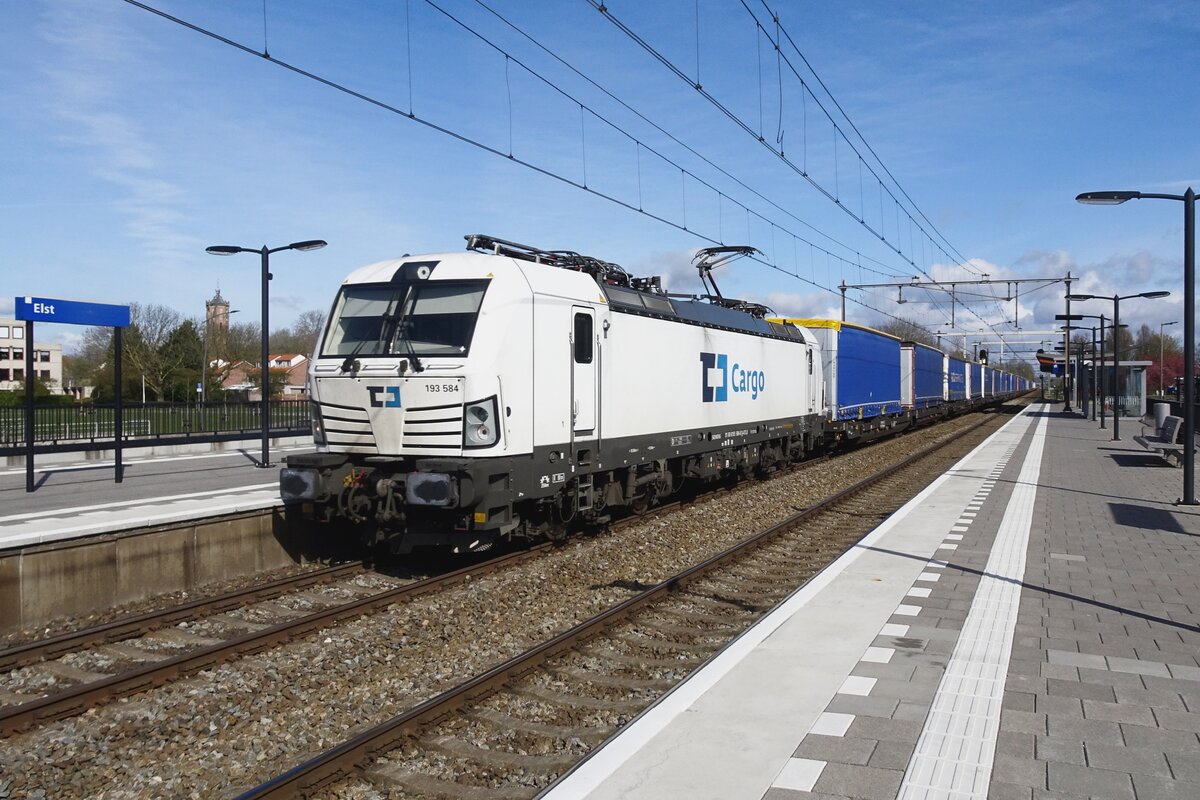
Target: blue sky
[(131, 143)]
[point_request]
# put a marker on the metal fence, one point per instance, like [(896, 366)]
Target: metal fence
[(150, 424)]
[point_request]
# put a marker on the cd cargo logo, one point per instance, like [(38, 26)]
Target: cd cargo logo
[(717, 379)]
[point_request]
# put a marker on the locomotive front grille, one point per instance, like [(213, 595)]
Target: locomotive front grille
[(434, 430), (348, 428)]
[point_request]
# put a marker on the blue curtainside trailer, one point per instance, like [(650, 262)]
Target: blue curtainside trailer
[(861, 368), (921, 376), (975, 381), (956, 379)]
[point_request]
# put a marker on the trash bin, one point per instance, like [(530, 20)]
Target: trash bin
[(1161, 412)]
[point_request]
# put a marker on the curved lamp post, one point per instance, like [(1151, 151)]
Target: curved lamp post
[(1188, 199), (1116, 301), (264, 251), (1161, 353)]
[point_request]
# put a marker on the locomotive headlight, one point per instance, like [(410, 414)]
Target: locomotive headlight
[(318, 426), (476, 431)]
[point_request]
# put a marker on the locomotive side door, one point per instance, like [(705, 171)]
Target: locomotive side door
[(583, 370)]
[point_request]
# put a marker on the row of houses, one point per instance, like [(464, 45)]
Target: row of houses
[(290, 369), (47, 358), (243, 376)]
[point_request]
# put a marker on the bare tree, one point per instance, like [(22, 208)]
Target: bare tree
[(150, 327), (910, 332), (301, 337)]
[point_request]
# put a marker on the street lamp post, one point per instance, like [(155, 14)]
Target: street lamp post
[(1188, 199), (265, 252), (1161, 352), (1098, 383), (1116, 300)]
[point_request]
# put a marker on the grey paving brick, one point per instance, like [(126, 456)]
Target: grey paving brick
[(775, 793), (871, 706), (904, 690), (1069, 778), (1084, 730), (1185, 766), (1127, 759), (1159, 739), (894, 670), (1019, 745), (1155, 788), (1076, 659), (868, 783), (1026, 683), (911, 711), (1025, 667), (1109, 650), (1104, 677), (1157, 698), (1063, 706), (1068, 672), (1138, 667), (1020, 771), (928, 674), (840, 749), (1017, 701), (998, 790), (1083, 691), (892, 755), (891, 730), (1116, 712), (1059, 749), (1188, 690), (1022, 722), (1177, 720)]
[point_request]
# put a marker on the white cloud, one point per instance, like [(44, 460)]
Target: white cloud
[(91, 52)]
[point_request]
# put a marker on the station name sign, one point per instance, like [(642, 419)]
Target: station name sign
[(71, 312)]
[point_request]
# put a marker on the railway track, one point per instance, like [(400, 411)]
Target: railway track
[(120, 658), (510, 731), (466, 626), (136, 662)]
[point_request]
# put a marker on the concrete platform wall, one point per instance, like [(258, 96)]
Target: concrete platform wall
[(46, 582)]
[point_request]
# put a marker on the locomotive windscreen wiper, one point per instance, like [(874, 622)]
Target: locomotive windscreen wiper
[(384, 318), (404, 328)]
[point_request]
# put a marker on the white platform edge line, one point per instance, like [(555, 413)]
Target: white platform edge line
[(68, 513), (610, 755)]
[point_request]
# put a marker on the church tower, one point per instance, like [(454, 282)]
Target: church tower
[(216, 313)]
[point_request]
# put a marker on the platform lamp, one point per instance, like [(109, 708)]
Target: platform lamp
[(1162, 353), (1116, 301), (265, 252), (1188, 199)]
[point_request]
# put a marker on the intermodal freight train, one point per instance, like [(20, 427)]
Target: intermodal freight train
[(502, 392)]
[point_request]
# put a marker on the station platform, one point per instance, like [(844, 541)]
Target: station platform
[(1027, 627), (76, 499)]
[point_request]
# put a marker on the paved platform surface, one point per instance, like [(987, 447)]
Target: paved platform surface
[(1028, 627), (75, 499)]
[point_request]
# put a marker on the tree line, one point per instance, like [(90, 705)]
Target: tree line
[(164, 352)]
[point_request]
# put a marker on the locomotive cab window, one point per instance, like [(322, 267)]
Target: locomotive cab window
[(583, 338), (423, 318)]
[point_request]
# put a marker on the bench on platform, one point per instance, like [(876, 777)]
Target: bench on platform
[(1167, 443)]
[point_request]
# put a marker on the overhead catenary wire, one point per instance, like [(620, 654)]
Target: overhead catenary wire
[(831, 196), (673, 138), (543, 170)]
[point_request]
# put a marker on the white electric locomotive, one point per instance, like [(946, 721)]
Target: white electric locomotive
[(459, 398)]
